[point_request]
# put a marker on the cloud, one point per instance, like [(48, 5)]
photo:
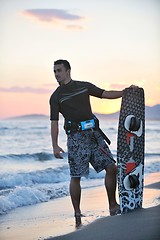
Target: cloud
[(74, 27), (26, 90), (118, 86), (52, 15)]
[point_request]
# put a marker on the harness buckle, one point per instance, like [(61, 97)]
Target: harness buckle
[(85, 125)]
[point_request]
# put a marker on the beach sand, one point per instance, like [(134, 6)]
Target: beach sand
[(54, 219), (139, 224)]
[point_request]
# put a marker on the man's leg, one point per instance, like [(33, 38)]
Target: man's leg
[(110, 184), (75, 192)]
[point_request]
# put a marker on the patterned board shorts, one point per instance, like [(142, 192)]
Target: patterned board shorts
[(84, 149)]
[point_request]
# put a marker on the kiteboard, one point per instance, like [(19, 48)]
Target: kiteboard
[(130, 149)]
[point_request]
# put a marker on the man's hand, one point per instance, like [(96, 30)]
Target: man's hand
[(133, 86), (57, 152)]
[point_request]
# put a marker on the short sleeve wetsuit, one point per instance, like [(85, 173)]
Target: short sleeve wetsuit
[(72, 100)]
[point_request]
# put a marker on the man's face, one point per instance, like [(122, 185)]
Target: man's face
[(61, 74)]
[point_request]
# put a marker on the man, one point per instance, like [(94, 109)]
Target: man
[(84, 140)]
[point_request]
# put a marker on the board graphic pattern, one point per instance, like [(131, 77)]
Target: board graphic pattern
[(130, 149)]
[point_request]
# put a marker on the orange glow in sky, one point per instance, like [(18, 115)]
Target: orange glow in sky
[(112, 44)]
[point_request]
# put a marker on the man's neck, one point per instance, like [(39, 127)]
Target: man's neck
[(66, 81)]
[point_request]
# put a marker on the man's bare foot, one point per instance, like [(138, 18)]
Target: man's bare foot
[(115, 210), (78, 222)]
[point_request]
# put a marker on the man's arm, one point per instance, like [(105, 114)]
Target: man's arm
[(112, 94), (54, 135)]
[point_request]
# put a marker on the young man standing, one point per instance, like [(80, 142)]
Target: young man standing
[(84, 140)]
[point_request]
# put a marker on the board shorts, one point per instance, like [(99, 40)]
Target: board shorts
[(84, 149)]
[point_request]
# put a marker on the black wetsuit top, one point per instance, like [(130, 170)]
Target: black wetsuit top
[(72, 100)]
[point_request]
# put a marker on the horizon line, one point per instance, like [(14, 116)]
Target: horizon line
[(45, 115)]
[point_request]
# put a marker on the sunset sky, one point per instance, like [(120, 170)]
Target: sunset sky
[(112, 44)]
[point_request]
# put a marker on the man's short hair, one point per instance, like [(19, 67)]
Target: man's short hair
[(64, 62)]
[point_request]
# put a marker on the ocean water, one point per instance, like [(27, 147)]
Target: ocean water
[(30, 174)]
